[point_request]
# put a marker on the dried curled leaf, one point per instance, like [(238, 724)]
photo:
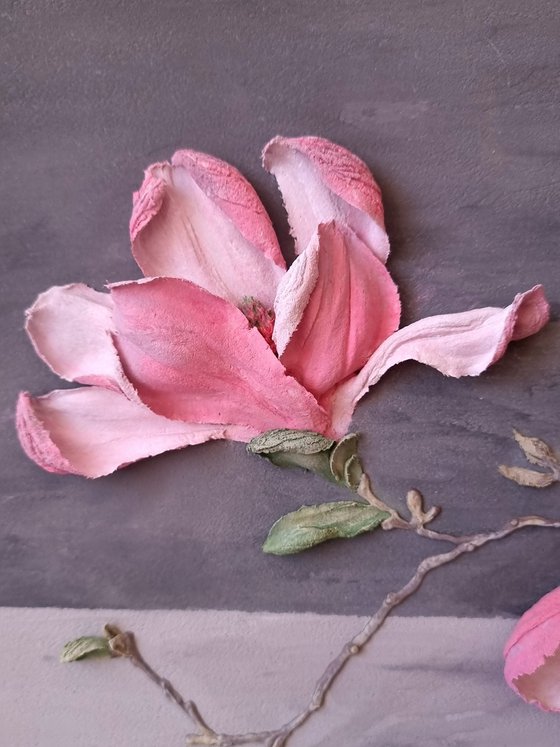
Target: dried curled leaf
[(527, 477), (311, 525), (536, 451), (85, 648)]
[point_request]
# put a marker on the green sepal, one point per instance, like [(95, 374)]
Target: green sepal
[(288, 441), (290, 448), (336, 461), (344, 462), (353, 472)]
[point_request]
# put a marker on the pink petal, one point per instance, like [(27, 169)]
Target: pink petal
[(462, 344), (193, 357), (92, 431), (532, 654), (70, 327), (336, 304), (200, 220), (320, 182), (235, 196)]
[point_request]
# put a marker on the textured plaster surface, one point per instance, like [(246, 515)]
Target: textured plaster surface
[(423, 682), (455, 108)]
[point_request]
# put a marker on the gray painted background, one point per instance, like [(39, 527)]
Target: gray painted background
[(455, 106)]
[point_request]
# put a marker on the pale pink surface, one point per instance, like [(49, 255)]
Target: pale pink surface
[(232, 193), (192, 356), (352, 308), (463, 344), (71, 329), (93, 431), (213, 231), (532, 654), (321, 181), (176, 362)]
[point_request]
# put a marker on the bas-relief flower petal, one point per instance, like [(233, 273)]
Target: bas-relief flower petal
[(235, 196), (199, 219), (334, 307), (321, 181), (70, 327), (92, 431), (463, 344), (532, 654), (192, 356)]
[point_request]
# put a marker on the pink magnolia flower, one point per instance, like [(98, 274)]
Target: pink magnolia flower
[(532, 654), (219, 340)]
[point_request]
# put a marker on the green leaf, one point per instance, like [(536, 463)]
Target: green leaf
[(535, 450), (527, 477), (286, 441), (344, 450), (311, 525), (85, 647)]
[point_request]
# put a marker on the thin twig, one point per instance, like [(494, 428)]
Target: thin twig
[(124, 644), (419, 517), (279, 737)]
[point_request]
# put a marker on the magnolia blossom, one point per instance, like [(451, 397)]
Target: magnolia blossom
[(219, 340), (532, 654)]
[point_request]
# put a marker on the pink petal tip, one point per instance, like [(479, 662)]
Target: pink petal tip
[(321, 181), (199, 219), (532, 654)]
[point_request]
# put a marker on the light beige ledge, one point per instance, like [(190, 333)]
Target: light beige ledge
[(423, 681)]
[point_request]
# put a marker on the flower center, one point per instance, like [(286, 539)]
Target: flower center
[(260, 317)]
